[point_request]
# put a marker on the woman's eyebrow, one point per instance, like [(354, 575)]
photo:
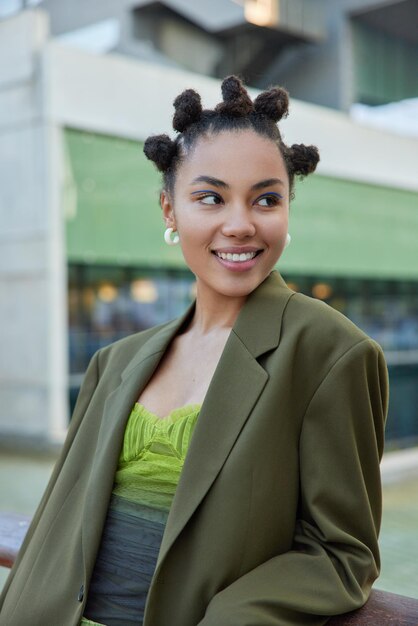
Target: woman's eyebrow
[(215, 182), (269, 182)]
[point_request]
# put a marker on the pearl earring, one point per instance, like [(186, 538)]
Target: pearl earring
[(288, 240), (167, 237)]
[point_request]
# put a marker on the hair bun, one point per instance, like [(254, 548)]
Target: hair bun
[(273, 103), (303, 159), (236, 101), (188, 106), (160, 149)]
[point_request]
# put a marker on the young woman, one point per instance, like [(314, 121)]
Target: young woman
[(222, 469)]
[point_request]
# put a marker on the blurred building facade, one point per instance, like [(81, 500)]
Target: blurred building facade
[(82, 259), (328, 52)]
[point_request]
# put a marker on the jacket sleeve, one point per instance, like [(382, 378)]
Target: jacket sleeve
[(335, 556), (86, 393)]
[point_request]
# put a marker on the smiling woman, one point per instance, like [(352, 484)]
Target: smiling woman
[(222, 469), (230, 207)]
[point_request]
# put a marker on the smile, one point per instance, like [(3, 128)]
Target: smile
[(236, 258)]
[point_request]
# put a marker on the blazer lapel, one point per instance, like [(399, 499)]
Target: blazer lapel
[(234, 390), (117, 409)]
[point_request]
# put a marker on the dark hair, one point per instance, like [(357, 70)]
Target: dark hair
[(236, 112)]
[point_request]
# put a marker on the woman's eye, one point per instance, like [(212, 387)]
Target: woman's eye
[(268, 201), (209, 198)]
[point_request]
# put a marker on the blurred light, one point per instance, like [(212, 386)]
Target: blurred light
[(73, 297), (321, 291), (107, 292), (293, 286), (262, 12), (88, 297), (144, 291)]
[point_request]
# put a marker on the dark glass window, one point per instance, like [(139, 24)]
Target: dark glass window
[(107, 303), (386, 310)]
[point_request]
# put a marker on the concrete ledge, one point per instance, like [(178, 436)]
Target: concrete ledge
[(399, 465)]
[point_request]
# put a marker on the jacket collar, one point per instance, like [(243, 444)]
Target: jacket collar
[(259, 322)]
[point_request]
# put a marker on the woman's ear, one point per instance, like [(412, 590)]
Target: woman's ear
[(168, 210)]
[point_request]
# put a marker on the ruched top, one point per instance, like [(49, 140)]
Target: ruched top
[(149, 467)]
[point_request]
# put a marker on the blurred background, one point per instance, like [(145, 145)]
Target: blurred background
[(82, 256)]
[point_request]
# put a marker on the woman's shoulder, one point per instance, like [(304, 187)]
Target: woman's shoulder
[(321, 325)]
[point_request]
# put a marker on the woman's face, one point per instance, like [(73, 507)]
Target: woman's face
[(230, 209)]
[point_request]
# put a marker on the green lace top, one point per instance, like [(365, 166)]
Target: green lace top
[(149, 467)]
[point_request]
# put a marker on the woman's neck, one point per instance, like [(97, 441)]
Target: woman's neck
[(214, 311)]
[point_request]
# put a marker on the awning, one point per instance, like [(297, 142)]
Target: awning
[(338, 227)]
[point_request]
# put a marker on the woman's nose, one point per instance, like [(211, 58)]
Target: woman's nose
[(238, 223)]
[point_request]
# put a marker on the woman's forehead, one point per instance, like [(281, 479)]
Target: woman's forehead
[(226, 152)]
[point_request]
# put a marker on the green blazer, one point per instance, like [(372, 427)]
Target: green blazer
[(276, 515)]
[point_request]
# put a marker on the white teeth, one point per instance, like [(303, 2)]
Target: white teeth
[(236, 258)]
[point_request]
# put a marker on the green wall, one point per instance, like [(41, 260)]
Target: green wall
[(342, 227), (115, 216), (338, 227)]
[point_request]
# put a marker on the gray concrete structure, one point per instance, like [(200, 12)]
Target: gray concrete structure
[(310, 50), (325, 73), (33, 362)]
